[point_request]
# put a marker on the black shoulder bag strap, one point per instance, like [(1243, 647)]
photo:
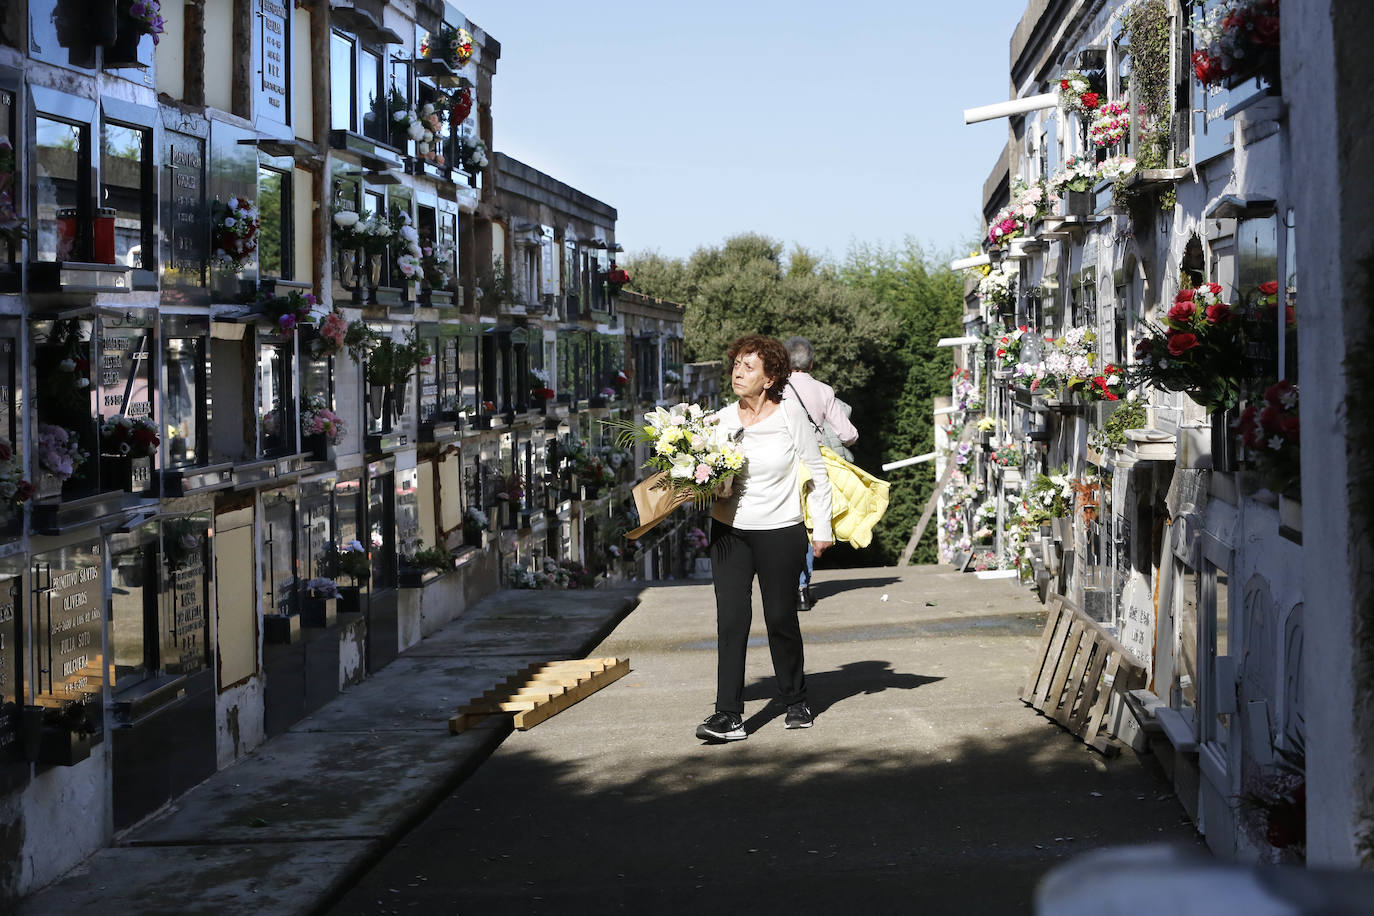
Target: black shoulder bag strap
[(797, 394)]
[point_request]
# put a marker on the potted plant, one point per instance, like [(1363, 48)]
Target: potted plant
[(1074, 184), (320, 427), (389, 364), (475, 522), (416, 568), (127, 447), (134, 19), (320, 606), (1197, 349)]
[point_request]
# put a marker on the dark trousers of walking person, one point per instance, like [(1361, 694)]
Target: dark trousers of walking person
[(775, 556)]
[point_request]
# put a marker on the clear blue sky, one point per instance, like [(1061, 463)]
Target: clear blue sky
[(815, 124)]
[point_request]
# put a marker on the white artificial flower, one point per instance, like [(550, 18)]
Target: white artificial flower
[(230, 222), (67, 365), (1275, 442), (345, 219), (233, 203), (398, 116)]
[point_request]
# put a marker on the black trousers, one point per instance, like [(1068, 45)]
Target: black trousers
[(775, 556)]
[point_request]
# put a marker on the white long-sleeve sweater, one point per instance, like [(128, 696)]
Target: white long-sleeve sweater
[(766, 494)]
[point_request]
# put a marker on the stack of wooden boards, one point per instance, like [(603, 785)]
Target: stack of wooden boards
[(1078, 667), (538, 691)]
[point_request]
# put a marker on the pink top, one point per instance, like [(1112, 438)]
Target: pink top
[(819, 400)]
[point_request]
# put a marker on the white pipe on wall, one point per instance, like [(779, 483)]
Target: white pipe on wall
[(1013, 107)]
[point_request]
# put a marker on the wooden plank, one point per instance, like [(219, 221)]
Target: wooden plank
[(1069, 632), (1051, 659), (1093, 683), (1075, 684), (539, 691), (1113, 670), (1052, 621), (1061, 675), (528, 720)]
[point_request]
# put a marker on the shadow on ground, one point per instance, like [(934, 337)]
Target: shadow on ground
[(826, 688), (782, 824), (832, 587)]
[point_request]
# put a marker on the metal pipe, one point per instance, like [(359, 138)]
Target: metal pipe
[(919, 459), (1013, 107)]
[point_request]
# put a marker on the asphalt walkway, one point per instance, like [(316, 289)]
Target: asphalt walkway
[(925, 786)]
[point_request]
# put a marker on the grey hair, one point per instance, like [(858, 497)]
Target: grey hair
[(800, 353)]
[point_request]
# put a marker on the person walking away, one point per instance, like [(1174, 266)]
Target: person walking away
[(757, 531), (829, 418)]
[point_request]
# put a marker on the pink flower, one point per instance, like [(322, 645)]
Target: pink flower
[(703, 473)]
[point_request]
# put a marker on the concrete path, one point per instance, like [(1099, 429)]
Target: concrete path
[(292, 825), (925, 786)]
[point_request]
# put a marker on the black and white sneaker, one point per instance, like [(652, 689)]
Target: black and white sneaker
[(722, 726), (799, 716)]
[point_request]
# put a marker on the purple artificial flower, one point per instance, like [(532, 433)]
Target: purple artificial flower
[(287, 322)]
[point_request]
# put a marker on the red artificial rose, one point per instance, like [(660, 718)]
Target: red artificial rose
[(1270, 288), (1181, 342), (1144, 347), (1023, 328), (1109, 396), (83, 366), (1001, 354), (1090, 100), (1271, 418), (1215, 288), (1248, 428), (1218, 313), (1266, 33), (1290, 425), (145, 436), (6, 453), (1290, 316), (1063, 84), (23, 491), (1183, 311), (1275, 393), (1184, 295)]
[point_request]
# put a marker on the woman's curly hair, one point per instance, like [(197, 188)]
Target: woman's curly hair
[(776, 363)]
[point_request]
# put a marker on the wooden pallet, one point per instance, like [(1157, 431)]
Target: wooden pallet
[(1077, 669), (536, 692)]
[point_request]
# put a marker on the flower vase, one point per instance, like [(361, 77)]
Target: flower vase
[(123, 52), (348, 269), (48, 486), (316, 446), (374, 277), (376, 400), (1078, 203), (398, 398)]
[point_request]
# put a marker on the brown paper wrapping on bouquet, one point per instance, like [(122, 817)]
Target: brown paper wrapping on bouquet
[(654, 501)]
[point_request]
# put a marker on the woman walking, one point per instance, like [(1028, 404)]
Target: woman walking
[(757, 531)]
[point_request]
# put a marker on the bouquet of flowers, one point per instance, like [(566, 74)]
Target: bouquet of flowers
[(14, 489), (1115, 167), (1008, 456), (1051, 496), (1271, 432), (1112, 125), (1108, 385), (12, 229), (1235, 36), (290, 310), (996, 286), (146, 14), (686, 442), (408, 262), (475, 520), (698, 541), (59, 450), (965, 393), (131, 437), (1078, 175), (431, 115), (460, 106), (1070, 359), (1075, 93), (617, 277), (451, 45), (318, 420), (236, 232), (435, 261), (472, 154), (333, 331), (1009, 345), (1197, 350), (349, 560)]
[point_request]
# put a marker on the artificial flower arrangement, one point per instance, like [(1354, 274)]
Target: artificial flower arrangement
[(289, 311), (236, 232), (435, 261), (1114, 168), (1029, 202), (1112, 124), (1271, 433), (1008, 345), (672, 376), (1050, 496), (460, 106), (965, 393), (409, 261), (472, 153), (552, 574), (348, 560), (1108, 385), (687, 442), (59, 450), (403, 121), (617, 277), (1069, 361), (12, 227), (318, 420), (15, 490), (128, 437), (698, 541), (431, 115), (1008, 456), (146, 15), (391, 362), (451, 45), (1075, 93), (333, 335), (345, 231), (1236, 36), (1079, 174), (475, 520), (1197, 349), (543, 391), (996, 286)]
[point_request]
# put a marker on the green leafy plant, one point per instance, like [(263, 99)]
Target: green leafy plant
[(428, 558), (1130, 415), (391, 361)]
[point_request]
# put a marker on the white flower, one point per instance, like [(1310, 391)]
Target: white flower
[(230, 222), (233, 203), (1275, 442), (415, 131), (67, 365), (398, 116), (83, 382), (345, 219)]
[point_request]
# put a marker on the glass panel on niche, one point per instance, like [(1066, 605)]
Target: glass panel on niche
[(183, 201), (381, 525), (274, 400), (317, 533), (342, 87), (184, 624), (67, 625), (60, 33), (60, 232), (11, 689), (274, 223), (186, 404), (133, 588), (9, 178), (372, 98), (407, 512), (122, 157), (279, 556)]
